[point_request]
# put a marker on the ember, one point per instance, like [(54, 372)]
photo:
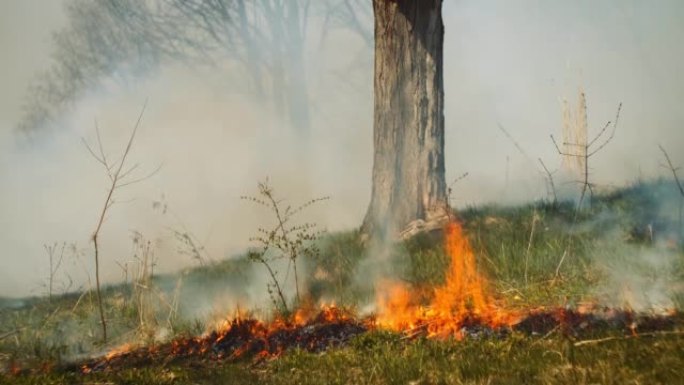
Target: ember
[(242, 337)]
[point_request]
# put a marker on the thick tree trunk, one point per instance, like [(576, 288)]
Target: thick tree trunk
[(408, 166)]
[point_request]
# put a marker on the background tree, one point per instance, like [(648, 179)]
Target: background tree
[(408, 133), (265, 40)]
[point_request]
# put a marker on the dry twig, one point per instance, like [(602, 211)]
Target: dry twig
[(614, 338)]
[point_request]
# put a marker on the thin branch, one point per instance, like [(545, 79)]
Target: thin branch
[(612, 134), (463, 176), (549, 176), (99, 144), (603, 130), (559, 150), (673, 169), (614, 338), (127, 172), (515, 143), (87, 146), (130, 141), (151, 174)]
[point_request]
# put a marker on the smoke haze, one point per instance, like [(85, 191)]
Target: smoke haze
[(504, 64)]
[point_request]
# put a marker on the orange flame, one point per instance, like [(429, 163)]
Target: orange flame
[(463, 298)]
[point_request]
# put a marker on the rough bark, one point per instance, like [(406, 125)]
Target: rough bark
[(408, 166)]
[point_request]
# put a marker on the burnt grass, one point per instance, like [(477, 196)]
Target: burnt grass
[(385, 358), (558, 342)]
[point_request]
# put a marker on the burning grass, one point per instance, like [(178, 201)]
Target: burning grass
[(463, 299), (461, 307)]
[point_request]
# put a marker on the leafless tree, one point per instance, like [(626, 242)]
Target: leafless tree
[(588, 148), (55, 263), (121, 39), (674, 170), (550, 185), (120, 175)]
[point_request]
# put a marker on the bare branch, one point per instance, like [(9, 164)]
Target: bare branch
[(128, 172), (463, 176), (90, 150), (549, 176), (130, 142), (148, 176), (612, 134), (99, 144), (603, 130), (559, 150), (515, 143), (673, 169)]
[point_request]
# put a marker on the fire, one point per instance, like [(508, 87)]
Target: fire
[(463, 304), (462, 300), (127, 347)]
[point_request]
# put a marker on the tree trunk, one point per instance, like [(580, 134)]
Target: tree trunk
[(408, 166), (298, 95)]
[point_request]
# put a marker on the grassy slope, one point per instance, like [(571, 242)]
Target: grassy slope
[(523, 273)]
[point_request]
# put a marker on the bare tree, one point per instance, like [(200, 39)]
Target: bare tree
[(55, 263), (120, 175), (550, 185), (674, 170), (104, 39), (585, 149), (120, 39)]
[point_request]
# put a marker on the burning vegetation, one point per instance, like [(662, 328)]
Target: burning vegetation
[(462, 301), (463, 307), (457, 293)]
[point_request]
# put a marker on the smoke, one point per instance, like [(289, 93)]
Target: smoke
[(639, 279), (504, 63)]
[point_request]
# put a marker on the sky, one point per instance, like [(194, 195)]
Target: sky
[(506, 63)]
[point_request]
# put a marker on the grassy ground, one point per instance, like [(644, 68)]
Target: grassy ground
[(381, 358), (535, 255)]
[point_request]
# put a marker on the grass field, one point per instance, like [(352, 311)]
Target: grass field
[(624, 251)]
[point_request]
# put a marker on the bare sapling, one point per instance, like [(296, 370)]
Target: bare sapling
[(143, 271), (550, 184), (55, 263), (581, 149), (283, 241), (678, 183), (120, 175), (548, 175), (188, 244)]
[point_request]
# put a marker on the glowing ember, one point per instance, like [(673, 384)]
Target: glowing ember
[(463, 300)]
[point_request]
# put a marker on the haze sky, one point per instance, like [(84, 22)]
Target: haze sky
[(505, 62)]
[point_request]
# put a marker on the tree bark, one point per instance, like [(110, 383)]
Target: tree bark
[(408, 166)]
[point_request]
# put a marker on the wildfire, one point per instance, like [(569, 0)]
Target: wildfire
[(462, 305), (463, 300)]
